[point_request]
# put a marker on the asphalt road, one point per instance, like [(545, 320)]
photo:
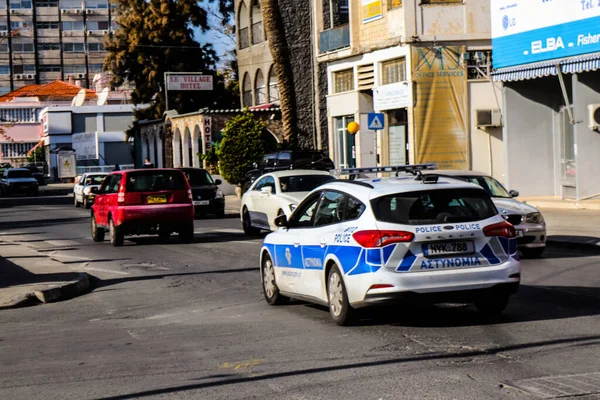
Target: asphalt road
[(189, 321)]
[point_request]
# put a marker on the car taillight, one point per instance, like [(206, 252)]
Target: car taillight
[(121, 197), (381, 238), (503, 229), (189, 192)]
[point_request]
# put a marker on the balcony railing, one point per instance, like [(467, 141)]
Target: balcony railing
[(334, 39), (244, 38)]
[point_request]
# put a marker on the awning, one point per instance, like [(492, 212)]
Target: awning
[(571, 65), (40, 143)]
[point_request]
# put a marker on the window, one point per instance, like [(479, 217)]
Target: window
[(95, 68), (244, 38), (4, 70), (153, 181), (303, 216), (3, 47), (331, 209), (490, 185), (345, 150), (273, 86), (47, 25), (260, 89), (49, 68), (71, 4), (247, 93), (94, 179), (284, 159), (111, 184), (46, 3), (19, 174), (23, 69), (393, 71), (22, 47), (343, 81), (264, 182), (434, 207), (303, 183), (257, 23), (75, 69), (3, 5), (198, 177), (394, 4), (344, 12), (3, 26), (73, 47), (97, 25), (16, 150), (48, 46), (95, 47), (19, 25), (20, 4), (72, 25), (354, 209), (19, 115), (440, 1), (96, 4)]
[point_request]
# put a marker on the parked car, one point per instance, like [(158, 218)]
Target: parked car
[(4, 167), (528, 220), (289, 159), (143, 201), (277, 193), (37, 174), (353, 244), (18, 180), (207, 197), (83, 192)]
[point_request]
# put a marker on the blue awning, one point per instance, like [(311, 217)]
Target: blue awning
[(571, 65)]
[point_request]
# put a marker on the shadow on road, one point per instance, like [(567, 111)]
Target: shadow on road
[(41, 223), (12, 275), (540, 346), (42, 200)]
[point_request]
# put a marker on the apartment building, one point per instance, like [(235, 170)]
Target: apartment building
[(426, 66), (42, 41)]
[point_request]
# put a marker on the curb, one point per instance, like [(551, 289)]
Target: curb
[(65, 292), (563, 205)]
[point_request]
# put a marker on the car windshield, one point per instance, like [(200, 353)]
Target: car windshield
[(434, 207), (34, 169), (152, 181), (198, 177), (20, 174), (303, 183), (491, 186), (94, 180)]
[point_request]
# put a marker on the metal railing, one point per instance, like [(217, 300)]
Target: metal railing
[(102, 168), (334, 38)]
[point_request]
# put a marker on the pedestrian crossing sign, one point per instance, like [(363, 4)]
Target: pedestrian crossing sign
[(375, 121)]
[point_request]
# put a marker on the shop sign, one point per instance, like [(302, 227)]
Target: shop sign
[(371, 10), (527, 31), (393, 96)]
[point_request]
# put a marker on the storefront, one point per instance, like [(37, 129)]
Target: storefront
[(551, 95)]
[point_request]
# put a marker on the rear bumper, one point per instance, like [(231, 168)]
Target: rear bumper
[(170, 214)]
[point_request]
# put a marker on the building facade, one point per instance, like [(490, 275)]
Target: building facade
[(424, 65), (551, 94), (45, 40)]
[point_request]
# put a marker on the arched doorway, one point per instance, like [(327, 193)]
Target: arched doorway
[(247, 91), (177, 149)]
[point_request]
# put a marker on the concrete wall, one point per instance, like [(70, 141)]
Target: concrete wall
[(530, 110), (586, 90)]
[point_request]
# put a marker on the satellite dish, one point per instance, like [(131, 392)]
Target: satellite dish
[(103, 96), (79, 99)]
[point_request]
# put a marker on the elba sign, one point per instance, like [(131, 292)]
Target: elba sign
[(189, 82), (527, 31)]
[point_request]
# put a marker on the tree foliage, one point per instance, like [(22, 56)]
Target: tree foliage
[(242, 145), (157, 36)]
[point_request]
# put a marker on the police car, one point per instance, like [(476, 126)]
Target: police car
[(353, 243)]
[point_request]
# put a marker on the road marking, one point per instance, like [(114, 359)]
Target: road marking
[(106, 270), (217, 231), (59, 243), (242, 365)]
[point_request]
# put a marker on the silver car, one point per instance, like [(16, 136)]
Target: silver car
[(528, 221)]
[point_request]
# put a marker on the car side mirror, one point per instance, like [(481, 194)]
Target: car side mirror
[(513, 193), (218, 182), (94, 190), (281, 221), (266, 189)]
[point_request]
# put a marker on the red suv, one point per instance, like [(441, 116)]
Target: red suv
[(133, 202)]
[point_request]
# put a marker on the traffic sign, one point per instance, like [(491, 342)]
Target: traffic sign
[(375, 121)]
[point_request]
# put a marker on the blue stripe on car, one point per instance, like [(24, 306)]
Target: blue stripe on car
[(487, 252)]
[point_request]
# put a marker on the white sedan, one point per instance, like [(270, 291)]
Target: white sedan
[(277, 193), (83, 187)]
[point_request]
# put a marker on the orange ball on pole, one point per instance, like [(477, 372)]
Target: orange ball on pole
[(353, 127)]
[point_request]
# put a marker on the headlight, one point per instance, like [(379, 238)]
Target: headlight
[(219, 195), (292, 207), (534, 218)]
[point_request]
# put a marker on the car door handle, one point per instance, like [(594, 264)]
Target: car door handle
[(323, 242), (296, 244)]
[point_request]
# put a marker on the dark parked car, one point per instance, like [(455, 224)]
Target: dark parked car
[(18, 180), (289, 159), (207, 197), (37, 174)]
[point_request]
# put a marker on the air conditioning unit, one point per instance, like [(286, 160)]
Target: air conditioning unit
[(89, 11), (30, 76), (90, 33), (105, 32), (78, 11), (594, 116), (64, 11), (79, 76), (3, 33), (18, 76), (489, 118), (13, 11)]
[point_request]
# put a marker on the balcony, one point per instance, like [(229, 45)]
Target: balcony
[(334, 39)]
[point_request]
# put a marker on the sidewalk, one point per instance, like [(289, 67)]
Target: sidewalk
[(232, 204), (27, 277), (557, 202), (56, 189)]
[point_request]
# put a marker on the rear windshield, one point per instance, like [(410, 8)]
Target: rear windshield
[(152, 181), (20, 174), (303, 183), (198, 177), (94, 180), (434, 207)]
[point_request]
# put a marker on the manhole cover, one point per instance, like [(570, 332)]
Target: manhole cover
[(552, 387)]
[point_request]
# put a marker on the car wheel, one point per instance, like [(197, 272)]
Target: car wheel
[(492, 305), (533, 253), (186, 233), (75, 201), (339, 308), (85, 203), (270, 289), (247, 224), (117, 238), (97, 232)]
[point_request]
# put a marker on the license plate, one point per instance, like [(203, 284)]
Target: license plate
[(520, 233), (156, 199), (202, 203), (438, 249)]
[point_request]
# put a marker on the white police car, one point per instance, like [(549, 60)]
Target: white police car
[(354, 243)]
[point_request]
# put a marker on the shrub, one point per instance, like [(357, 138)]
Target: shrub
[(242, 146)]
